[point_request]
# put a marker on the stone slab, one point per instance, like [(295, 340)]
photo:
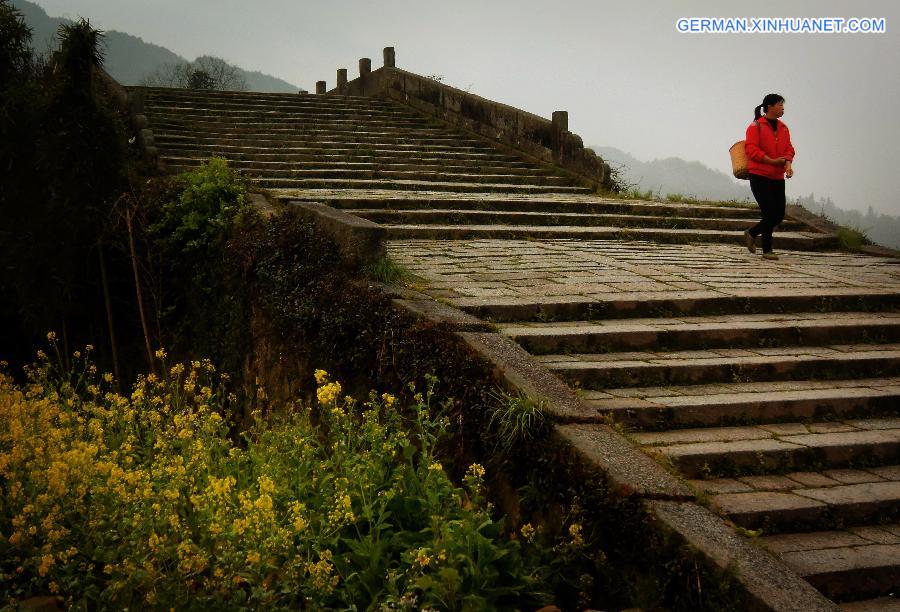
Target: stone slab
[(866, 571)]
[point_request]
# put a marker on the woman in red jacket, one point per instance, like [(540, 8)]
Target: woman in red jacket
[(769, 158)]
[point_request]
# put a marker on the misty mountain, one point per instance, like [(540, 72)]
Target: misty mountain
[(674, 175), (129, 58)]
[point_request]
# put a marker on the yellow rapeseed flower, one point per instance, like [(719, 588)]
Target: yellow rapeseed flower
[(528, 532), (321, 376), (476, 470), (575, 532), (266, 485), (328, 393)]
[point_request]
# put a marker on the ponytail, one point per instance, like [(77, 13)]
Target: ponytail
[(770, 100)]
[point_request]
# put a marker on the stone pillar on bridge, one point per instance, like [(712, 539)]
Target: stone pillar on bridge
[(390, 59), (365, 66), (320, 87), (559, 127), (341, 80)]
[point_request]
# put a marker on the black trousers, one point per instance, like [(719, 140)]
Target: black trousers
[(769, 194)]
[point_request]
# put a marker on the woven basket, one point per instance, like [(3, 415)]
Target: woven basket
[(739, 160)]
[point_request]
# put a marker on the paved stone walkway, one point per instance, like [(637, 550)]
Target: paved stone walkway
[(466, 271)]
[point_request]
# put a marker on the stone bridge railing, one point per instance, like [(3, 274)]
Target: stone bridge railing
[(548, 141)]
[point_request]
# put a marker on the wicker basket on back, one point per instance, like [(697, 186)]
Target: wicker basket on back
[(739, 160)]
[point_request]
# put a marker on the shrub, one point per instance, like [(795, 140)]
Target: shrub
[(851, 238)]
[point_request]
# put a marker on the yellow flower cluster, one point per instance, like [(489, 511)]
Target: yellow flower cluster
[(145, 497)]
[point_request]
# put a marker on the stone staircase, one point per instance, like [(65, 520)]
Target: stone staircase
[(780, 406), (420, 179), (772, 387)]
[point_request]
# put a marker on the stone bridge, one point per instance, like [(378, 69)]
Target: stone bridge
[(744, 395)]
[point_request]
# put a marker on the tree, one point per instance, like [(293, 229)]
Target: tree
[(15, 45), (206, 72)]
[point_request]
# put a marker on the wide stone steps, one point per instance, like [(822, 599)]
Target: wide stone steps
[(246, 96), (303, 125), (711, 405), (438, 216), (376, 154), (801, 509), (296, 139), (790, 240), (758, 449), (671, 303), (401, 175), (413, 185), (277, 109), (550, 204), (312, 117), (603, 370), (373, 164), (728, 331), (264, 121), (175, 99), (857, 562)]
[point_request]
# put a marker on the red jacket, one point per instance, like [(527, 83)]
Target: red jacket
[(762, 141)]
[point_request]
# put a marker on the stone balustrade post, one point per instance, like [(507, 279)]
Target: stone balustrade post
[(559, 127), (365, 66), (341, 79), (390, 59), (320, 87)]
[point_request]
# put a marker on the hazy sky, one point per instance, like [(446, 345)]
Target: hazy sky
[(621, 69)]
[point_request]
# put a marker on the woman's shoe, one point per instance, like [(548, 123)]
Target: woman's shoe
[(749, 241), (770, 255)]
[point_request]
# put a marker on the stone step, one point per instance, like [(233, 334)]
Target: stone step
[(326, 146), (178, 93), (879, 604), (406, 201), (274, 108), (310, 115), (455, 216), (264, 121), (421, 185), (202, 100), (359, 139), (758, 449), (693, 303), (848, 564), (315, 163), (308, 130), (812, 508), (609, 370), (658, 408), (725, 331), (787, 240), (292, 121), (344, 153), (401, 175)]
